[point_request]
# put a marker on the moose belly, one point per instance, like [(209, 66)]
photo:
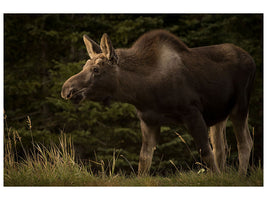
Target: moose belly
[(215, 113), (212, 114)]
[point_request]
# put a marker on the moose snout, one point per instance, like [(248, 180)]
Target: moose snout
[(67, 91)]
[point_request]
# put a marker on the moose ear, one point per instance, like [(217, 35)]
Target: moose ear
[(92, 47), (107, 48)]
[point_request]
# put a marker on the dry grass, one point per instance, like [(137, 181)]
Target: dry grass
[(56, 166)]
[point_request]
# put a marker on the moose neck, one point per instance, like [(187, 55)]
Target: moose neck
[(132, 83), (129, 84)]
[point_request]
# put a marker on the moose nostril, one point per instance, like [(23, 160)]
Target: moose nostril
[(70, 93)]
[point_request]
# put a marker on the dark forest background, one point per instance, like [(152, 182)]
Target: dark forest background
[(42, 50)]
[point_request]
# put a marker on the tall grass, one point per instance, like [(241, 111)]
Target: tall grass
[(56, 165), (53, 165), (43, 165)]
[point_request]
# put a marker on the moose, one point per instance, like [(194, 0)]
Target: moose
[(170, 83)]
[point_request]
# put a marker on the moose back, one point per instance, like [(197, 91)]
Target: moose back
[(170, 83)]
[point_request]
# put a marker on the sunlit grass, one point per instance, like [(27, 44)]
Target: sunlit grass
[(56, 165)]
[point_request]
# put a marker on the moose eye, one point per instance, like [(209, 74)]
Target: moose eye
[(95, 70)]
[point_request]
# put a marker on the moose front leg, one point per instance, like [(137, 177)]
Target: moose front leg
[(150, 135)]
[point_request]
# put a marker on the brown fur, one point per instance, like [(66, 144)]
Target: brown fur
[(170, 83)]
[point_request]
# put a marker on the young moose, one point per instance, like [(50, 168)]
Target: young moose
[(169, 83)]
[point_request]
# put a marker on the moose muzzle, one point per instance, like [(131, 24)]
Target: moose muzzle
[(67, 91)]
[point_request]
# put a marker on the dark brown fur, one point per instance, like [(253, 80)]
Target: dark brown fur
[(170, 83)]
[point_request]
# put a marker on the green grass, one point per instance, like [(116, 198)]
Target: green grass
[(76, 176), (56, 166)]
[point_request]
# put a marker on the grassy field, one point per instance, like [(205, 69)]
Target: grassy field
[(73, 176), (56, 166)]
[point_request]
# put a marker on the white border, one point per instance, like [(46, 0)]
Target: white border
[(132, 6), (124, 6)]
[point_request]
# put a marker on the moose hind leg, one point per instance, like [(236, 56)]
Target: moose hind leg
[(244, 140), (219, 143), (150, 135)]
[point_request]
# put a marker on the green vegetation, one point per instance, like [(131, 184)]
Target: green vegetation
[(56, 166), (42, 51)]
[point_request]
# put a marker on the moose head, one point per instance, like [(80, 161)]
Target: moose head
[(97, 80)]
